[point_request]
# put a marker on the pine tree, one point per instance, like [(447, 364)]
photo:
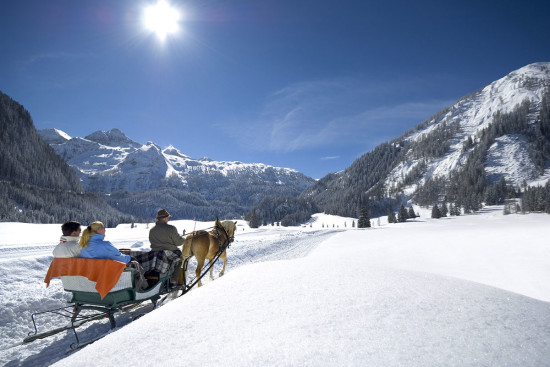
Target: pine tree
[(412, 214), (254, 220), (402, 214), (391, 216), (364, 219), (457, 210), (444, 211), (451, 209), (436, 213)]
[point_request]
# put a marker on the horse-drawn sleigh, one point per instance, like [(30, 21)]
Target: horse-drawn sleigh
[(102, 288)]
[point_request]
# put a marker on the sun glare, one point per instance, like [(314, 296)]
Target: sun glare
[(162, 19)]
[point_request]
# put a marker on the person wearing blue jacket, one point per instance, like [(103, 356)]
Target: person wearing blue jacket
[(93, 245)]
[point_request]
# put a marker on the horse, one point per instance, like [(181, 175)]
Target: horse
[(205, 245)]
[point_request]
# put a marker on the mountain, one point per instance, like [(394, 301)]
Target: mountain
[(54, 136), (500, 133), (25, 157), (141, 178), (36, 185)]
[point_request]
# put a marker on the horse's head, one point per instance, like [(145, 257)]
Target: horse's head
[(230, 228), (227, 228)]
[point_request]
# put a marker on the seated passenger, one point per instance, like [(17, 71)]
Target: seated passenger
[(68, 244), (94, 246)]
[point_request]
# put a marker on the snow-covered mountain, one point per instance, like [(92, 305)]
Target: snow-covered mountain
[(108, 161), (510, 154), (499, 131), (54, 136)]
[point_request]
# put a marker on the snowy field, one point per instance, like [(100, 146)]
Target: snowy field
[(461, 291)]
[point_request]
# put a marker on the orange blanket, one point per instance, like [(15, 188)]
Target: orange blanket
[(102, 271)]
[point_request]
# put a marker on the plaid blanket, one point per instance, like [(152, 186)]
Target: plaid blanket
[(159, 261)]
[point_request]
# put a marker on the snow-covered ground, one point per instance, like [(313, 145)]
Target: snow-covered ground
[(461, 291)]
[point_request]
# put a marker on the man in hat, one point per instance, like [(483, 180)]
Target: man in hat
[(164, 236)]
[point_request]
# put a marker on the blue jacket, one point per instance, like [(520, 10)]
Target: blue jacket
[(98, 248)]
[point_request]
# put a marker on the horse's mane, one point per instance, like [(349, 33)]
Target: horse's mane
[(229, 226), (198, 233)]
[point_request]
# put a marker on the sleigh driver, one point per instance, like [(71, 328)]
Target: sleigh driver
[(165, 237)]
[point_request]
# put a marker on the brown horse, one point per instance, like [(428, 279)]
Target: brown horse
[(205, 245)]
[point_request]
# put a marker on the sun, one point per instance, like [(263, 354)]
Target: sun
[(162, 19)]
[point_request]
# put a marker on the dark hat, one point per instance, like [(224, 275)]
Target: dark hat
[(163, 213)]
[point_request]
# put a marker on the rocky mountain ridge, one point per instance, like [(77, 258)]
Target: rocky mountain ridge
[(109, 162)]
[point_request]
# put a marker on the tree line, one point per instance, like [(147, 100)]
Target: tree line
[(25, 157), (286, 210), (536, 199), (32, 204)]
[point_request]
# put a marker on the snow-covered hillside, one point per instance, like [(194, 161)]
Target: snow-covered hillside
[(458, 155), (460, 291), (509, 157), (472, 114)]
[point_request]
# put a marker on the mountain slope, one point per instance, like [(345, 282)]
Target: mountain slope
[(25, 157), (36, 185), (499, 131)]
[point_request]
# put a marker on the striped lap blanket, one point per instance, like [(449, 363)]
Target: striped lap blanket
[(158, 261)]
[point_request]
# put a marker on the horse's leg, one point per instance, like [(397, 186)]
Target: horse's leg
[(224, 259), (211, 269), (200, 263), (184, 265), (212, 248)]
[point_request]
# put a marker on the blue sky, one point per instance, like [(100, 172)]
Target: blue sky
[(310, 85)]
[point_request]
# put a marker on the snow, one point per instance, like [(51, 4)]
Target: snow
[(475, 113), (460, 291), (55, 136), (509, 157), (542, 180), (109, 160)]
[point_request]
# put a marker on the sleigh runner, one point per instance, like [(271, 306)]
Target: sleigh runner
[(100, 289)]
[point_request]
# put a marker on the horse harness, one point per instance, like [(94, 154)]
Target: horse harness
[(217, 234)]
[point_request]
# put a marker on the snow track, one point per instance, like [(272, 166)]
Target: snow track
[(286, 245), (25, 251)]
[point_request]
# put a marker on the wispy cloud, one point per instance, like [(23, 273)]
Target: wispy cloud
[(54, 56), (59, 70), (332, 112), (330, 158)]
